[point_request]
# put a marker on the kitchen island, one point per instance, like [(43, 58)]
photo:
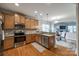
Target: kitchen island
[(47, 40)]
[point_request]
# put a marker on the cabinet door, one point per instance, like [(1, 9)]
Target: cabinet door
[(38, 38), (51, 42), (33, 37), (27, 23), (9, 22), (28, 38), (17, 18), (22, 19), (8, 42), (36, 23), (32, 24)]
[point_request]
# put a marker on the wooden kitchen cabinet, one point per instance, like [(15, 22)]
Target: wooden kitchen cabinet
[(28, 38), (34, 23), (17, 19), (38, 38), (33, 37), (46, 41), (8, 42), (31, 23), (22, 19), (8, 21), (27, 23), (51, 42)]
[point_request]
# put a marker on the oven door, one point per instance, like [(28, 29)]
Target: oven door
[(19, 39)]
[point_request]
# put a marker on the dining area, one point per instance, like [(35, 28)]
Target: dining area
[(67, 39)]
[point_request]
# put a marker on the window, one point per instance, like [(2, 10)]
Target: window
[(53, 28), (45, 27), (72, 28)]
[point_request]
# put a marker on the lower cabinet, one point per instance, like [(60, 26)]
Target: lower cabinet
[(30, 38), (46, 41), (38, 38), (33, 37), (8, 42)]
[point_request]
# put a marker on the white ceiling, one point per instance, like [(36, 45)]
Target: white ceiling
[(66, 10)]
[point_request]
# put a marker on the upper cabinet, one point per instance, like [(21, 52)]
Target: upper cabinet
[(22, 19), (34, 23), (11, 19), (31, 23), (27, 23), (19, 19), (8, 21)]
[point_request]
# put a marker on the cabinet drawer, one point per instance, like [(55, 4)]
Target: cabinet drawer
[(8, 42)]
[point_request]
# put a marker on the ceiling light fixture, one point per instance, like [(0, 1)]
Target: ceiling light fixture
[(35, 12), (16, 15), (57, 17), (40, 14), (47, 16), (56, 21), (16, 4)]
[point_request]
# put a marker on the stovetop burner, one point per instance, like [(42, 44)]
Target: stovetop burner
[(20, 33)]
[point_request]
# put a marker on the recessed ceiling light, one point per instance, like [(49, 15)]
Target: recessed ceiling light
[(35, 11), (0, 17), (16, 4), (56, 21), (57, 17), (41, 14), (16, 15)]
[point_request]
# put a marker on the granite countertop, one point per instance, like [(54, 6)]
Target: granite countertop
[(48, 34), (9, 35), (45, 34)]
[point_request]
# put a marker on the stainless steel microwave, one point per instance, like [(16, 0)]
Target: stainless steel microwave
[(19, 26)]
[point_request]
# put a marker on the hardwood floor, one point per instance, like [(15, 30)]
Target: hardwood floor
[(29, 50), (62, 51)]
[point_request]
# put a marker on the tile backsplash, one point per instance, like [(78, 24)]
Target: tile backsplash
[(8, 32)]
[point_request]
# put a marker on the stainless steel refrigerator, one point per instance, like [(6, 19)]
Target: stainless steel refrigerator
[(1, 34)]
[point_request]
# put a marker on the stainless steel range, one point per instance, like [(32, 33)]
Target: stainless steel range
[(19, 33), (19, 37)]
